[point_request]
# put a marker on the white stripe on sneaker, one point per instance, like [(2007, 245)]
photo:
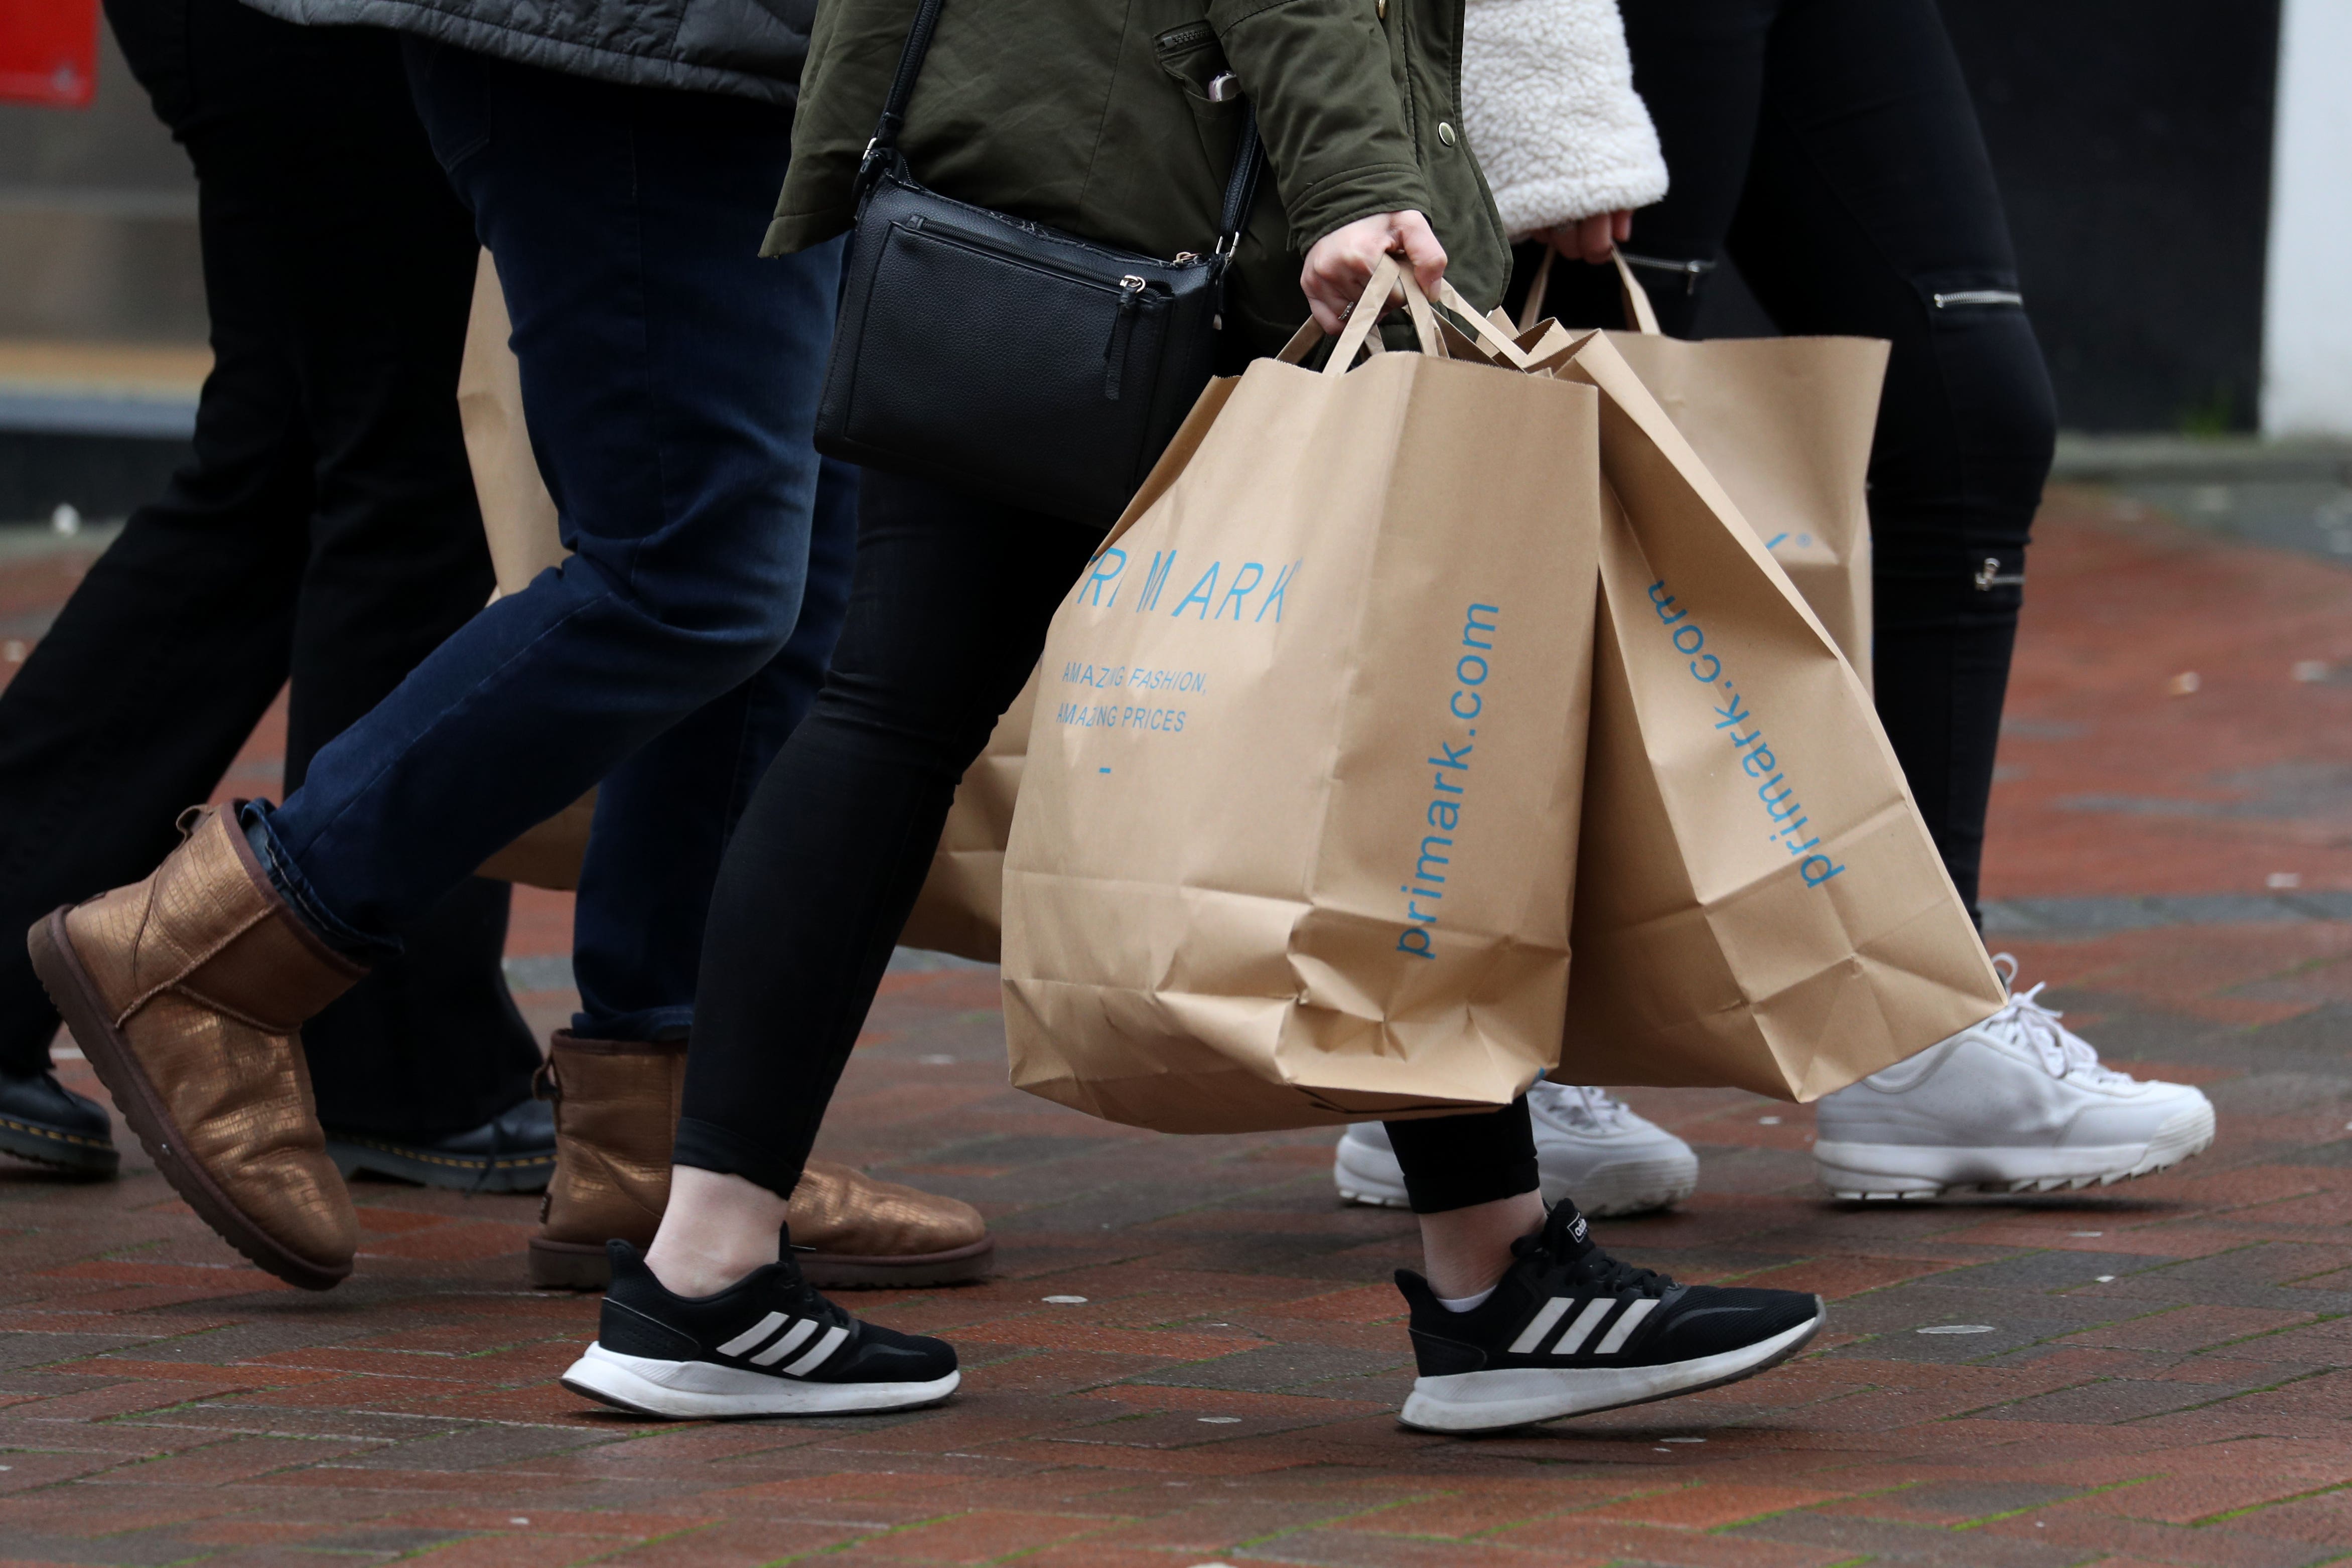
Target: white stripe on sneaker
[(1586, 1322), (818, 1357), (786, 1343), (1626, 1324), (753, 1335), (1540, 1325)]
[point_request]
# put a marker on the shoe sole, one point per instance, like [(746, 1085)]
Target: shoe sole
[(354, 1155), (1895, 1173), (58, 1149), (1495, 1401), (583, 1265), (1636, 1187), (645, 1386), (118, 1068)]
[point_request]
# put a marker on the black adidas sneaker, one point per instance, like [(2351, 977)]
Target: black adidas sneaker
[(767, 1346), (1570, 1330)]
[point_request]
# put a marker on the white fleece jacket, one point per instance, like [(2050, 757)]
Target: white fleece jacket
[(1549, 102)]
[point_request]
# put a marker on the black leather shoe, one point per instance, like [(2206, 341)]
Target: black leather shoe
[(512, 1152), (43, 1121)]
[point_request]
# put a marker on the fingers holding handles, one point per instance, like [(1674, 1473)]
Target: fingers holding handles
[(1340, 264)]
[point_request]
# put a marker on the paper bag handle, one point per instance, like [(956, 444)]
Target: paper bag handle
[(1639, 315), (1357, 335), (1480, 327), (1638, 312)]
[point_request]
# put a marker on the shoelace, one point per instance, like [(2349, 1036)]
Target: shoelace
[(1604, 1275), (2025, 1021), (1578, 1106)]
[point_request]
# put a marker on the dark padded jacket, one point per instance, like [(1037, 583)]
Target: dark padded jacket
[(753, 48), (1093, 115)]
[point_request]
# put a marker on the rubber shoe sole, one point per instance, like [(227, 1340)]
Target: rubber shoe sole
[(1634, 1186), (583, 1266), (703, 1390), (118, 1067), (1893, 1173), (75, 1152), (354, 1154), (1516, 1396)]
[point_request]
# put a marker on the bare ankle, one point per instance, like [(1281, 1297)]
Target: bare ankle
[(716, 1229), (1465, 1251)]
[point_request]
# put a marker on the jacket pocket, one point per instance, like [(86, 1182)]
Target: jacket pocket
[(1192, 57)]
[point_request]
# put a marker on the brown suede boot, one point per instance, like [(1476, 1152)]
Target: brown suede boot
[(188, 991), (616, 1109)]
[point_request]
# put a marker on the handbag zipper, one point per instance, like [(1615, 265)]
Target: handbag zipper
[(921, 224), (1979, 297), (1069, 242), (1130, 293)]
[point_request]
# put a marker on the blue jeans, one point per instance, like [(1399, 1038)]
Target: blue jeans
[(670, 381)]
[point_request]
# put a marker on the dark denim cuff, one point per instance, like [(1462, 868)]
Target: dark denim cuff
[(296, 890)]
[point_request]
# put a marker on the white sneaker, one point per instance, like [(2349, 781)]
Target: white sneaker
[(1590, 1149), (2018, 1104)]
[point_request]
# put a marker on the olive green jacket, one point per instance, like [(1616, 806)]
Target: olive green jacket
[(1093, 116)]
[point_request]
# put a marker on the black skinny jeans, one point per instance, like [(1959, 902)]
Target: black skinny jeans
[(1830, 148), (948, 613), (325, 528)]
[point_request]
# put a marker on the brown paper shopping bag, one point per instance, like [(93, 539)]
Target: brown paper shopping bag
[(1758, 902), (519, 521), (1785, 425), (1300, 806), (959, 908)]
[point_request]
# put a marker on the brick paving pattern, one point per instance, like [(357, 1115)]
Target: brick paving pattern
[(2159, 1372)]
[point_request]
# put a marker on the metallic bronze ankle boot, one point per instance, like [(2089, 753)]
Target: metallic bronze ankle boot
[(188, 992), (616, 1109)]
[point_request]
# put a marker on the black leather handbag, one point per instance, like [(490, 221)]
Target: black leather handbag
[(998, 356)]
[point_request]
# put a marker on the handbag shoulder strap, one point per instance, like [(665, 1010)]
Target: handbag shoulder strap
[(902, 86), (1241, 185)]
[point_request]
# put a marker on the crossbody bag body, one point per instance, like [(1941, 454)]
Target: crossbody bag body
[(1001, 357)]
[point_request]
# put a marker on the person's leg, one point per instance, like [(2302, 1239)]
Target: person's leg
[(663, 820), (664, 816), (136, 698), (1871, 210), (672, 377), (377, 259), (669, 377), (947, 613)]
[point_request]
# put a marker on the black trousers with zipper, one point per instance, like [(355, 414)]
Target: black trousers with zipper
[(1830, 149), (325, 528)]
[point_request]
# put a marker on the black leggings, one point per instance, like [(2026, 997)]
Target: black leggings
[(1828, 147), (947, 615)]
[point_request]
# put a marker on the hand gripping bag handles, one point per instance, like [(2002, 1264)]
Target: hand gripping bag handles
[(1758, 902), (1297, 824), (994, 354)]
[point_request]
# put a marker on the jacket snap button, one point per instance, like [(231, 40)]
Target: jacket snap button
[(1445, 133)]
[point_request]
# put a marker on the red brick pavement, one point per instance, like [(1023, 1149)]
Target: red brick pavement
[(2165, 1374)]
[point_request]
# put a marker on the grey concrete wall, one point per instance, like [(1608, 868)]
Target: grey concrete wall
[(98, 219)]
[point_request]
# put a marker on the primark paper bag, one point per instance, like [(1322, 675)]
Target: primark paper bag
[(1299, 817), (1758, 902)]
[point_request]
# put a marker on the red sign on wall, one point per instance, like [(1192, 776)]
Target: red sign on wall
[(48, 51)]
